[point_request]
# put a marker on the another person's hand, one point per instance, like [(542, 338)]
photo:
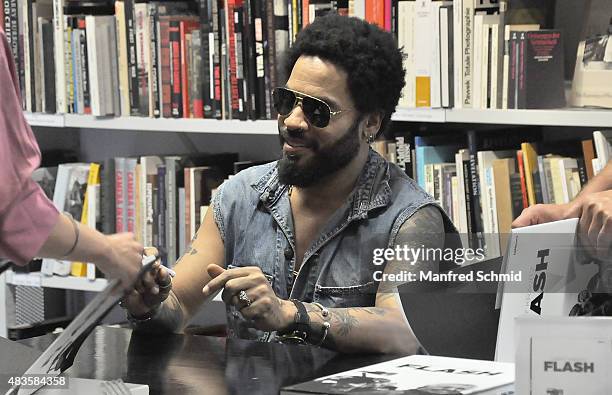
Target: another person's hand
[(543, 213), (261, 305), (595, 226), (150, 292), (123, 259)]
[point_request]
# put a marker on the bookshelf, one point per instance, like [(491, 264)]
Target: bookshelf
[(565, 117), (36, 279)]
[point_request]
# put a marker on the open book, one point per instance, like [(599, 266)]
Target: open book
[(59, 356), (418, 375)]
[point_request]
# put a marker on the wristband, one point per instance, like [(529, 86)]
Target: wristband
[(299, 330), (75, 225)]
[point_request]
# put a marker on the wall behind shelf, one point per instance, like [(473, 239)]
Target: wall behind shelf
[(98, 144)]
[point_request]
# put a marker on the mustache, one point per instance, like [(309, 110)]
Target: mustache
[(295, 137)]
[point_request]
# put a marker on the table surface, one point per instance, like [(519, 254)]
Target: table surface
[(190, 364)]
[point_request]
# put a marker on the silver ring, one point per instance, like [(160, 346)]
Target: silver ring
[(243, 297)]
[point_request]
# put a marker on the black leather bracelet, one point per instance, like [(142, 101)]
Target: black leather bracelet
[(299, 331)]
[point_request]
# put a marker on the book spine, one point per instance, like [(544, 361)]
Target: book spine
[(521, 166), (248, 39), (120, 220), (258, 30), (475, 189), (130, 181), (107, 196), (161, 213), (58, 39), (153, 69), (270, 51), (468, 203), (142, 57), (68, 65), (215, 43), (184, 30), (513, 71), (205, 70), (171, 210), (130, 26), (196, 93), (166, 79), (468, 50), (521, 87), (188, 198), (175, 69), (85, 66), (233, 79), (240, 67)]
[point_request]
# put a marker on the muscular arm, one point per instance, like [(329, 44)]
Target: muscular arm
[(383, 328)]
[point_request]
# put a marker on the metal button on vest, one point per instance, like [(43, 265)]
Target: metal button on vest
[(288, 253)]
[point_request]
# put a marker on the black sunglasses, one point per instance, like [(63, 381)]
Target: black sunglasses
[(317, 112)]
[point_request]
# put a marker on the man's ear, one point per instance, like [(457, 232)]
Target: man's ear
[(372, 124)]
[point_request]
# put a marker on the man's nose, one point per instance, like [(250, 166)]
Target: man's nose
[(296, 119)]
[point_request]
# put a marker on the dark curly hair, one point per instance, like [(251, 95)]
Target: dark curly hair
[(368, 54)]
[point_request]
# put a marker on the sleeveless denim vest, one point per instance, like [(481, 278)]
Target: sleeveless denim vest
[(253, 214)]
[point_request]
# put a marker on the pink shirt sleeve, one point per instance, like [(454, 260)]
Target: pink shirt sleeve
[(26, 215)]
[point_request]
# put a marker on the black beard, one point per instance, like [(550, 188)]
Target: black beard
[(325, 162)]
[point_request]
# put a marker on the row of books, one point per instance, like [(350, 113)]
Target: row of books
[(182, 59), (485, 181), (162, 200), (479, 54)]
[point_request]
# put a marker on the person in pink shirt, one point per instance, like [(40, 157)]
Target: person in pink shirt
[(30, 225)]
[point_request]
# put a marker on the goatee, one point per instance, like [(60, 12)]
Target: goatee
[(324, 162)]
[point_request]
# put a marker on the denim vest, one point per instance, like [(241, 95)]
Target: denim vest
[(253, 214)]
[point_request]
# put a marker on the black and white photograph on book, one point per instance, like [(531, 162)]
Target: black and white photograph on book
[(261, 197)]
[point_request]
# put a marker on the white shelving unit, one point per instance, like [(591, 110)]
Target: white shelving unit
[(37, 279), (152, 124)]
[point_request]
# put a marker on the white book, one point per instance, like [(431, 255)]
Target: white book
[(418, 373), (494, 64), (457, 53), (477, 64), (93, 217), (360, 8), (602, 139), (60, 73), (566, 165), (445, 60), (423, 54), (553, 272), (436, 100), (468, 52), (181, 222), (484, 78), (508, 29), (405, 40), (461, 156)]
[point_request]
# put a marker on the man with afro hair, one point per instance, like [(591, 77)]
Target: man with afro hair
[(305, 248)]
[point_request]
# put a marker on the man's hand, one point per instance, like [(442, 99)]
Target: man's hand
[(266, 310), (150, 292)]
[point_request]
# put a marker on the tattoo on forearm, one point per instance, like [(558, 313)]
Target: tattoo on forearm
[(191, 251), (343, 321)]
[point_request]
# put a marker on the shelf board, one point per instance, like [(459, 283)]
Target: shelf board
[(152, 124), (578, 117), (37, 279), (435, 115)]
